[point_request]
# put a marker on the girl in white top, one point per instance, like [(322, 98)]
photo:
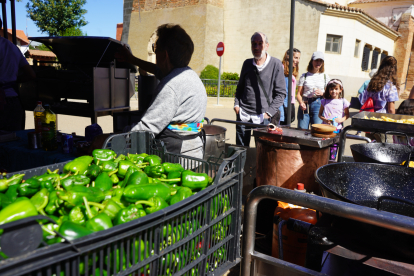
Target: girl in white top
[(311, 88)]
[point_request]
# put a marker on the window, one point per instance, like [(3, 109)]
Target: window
[(333, 44), (356, 51), (374, 61), (384, 55), (365, 57)]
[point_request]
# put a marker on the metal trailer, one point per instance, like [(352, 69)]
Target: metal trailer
[(255, 263)]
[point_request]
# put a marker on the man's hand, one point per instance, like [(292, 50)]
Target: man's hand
[(266, 116), (237, 110), (302, 106), (124, 55)]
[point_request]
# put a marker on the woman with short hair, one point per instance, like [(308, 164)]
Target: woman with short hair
[(177, 110)]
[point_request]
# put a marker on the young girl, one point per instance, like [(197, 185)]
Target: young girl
[(334, 109)]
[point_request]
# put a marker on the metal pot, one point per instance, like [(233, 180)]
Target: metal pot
[(215, 141)]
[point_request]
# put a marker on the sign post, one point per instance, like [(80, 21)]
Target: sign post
[(220, 52)]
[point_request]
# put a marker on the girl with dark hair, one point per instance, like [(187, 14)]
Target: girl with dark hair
[(334, 109), (383, 87), (295, 66)]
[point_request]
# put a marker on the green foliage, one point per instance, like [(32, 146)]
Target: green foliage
[(40, 47), (210, 72), (72, 31), (229, 76), (56, 16), (226, 90)]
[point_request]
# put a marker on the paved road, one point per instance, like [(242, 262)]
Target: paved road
[(69, 124)]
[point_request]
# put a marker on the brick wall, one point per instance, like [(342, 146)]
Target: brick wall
[(149, 5), (403, 48)]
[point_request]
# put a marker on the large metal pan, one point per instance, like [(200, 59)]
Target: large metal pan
[(385, 187), (386, 153)]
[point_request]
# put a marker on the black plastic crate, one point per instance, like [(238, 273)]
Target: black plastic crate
[(187, 238)]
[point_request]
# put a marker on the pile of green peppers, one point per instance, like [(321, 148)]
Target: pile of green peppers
[(97, 192)]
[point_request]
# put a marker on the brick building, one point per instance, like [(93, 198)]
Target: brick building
[(354, 34)]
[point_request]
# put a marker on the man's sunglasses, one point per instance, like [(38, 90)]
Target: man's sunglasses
[(154, 47)]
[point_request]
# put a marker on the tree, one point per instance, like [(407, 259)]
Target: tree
[(73, 31), (56, 16)]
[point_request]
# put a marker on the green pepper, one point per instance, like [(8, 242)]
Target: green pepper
[(108, 166), (78, 214), (123, 167), (92, 171), (75, 180), (20, 209), (137, 178), (12, 192), (173, 178), (73, 231), (103, 155), (117, 196), (98, 222), (154, 171), (114, 178), (181, 194), (48, 177), (47, 184), (29, 187), (137, 158), (130, 171), (109, 207), (13, 180), (156, 203), (78, 165), (172, 167), (119, 158), (132, 193), (4, 200), (153, 160), (40, 200), (103, 182), (53, 204), (129, 213), (194, 180), (76, 194)]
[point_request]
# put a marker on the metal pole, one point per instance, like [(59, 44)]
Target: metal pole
[(364, 214), (3, 8), (13, 16), (292, 36), (219, 80)]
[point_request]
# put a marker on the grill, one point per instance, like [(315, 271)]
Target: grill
[(85, 80)]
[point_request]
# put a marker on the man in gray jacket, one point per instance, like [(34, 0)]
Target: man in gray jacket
[(257, 102)]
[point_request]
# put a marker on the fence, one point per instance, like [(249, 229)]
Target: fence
[(227, 87)]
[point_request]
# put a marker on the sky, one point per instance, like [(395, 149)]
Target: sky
[(102, 17)]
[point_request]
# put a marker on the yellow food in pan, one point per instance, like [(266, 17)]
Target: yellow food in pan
[(387, 119)]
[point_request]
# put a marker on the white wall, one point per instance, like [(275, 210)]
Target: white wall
[(244, 17), (385, 11), (345, 66)]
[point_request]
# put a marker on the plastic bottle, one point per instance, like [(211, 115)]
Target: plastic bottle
[(38, 113), (294, 243), (49, 130)]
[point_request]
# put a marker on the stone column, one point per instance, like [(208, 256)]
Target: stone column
[(403, 48), (128, 4)]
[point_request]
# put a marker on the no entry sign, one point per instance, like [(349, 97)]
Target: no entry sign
[(220, 49)]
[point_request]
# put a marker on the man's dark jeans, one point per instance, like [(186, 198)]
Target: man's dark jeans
[(244, 133)]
